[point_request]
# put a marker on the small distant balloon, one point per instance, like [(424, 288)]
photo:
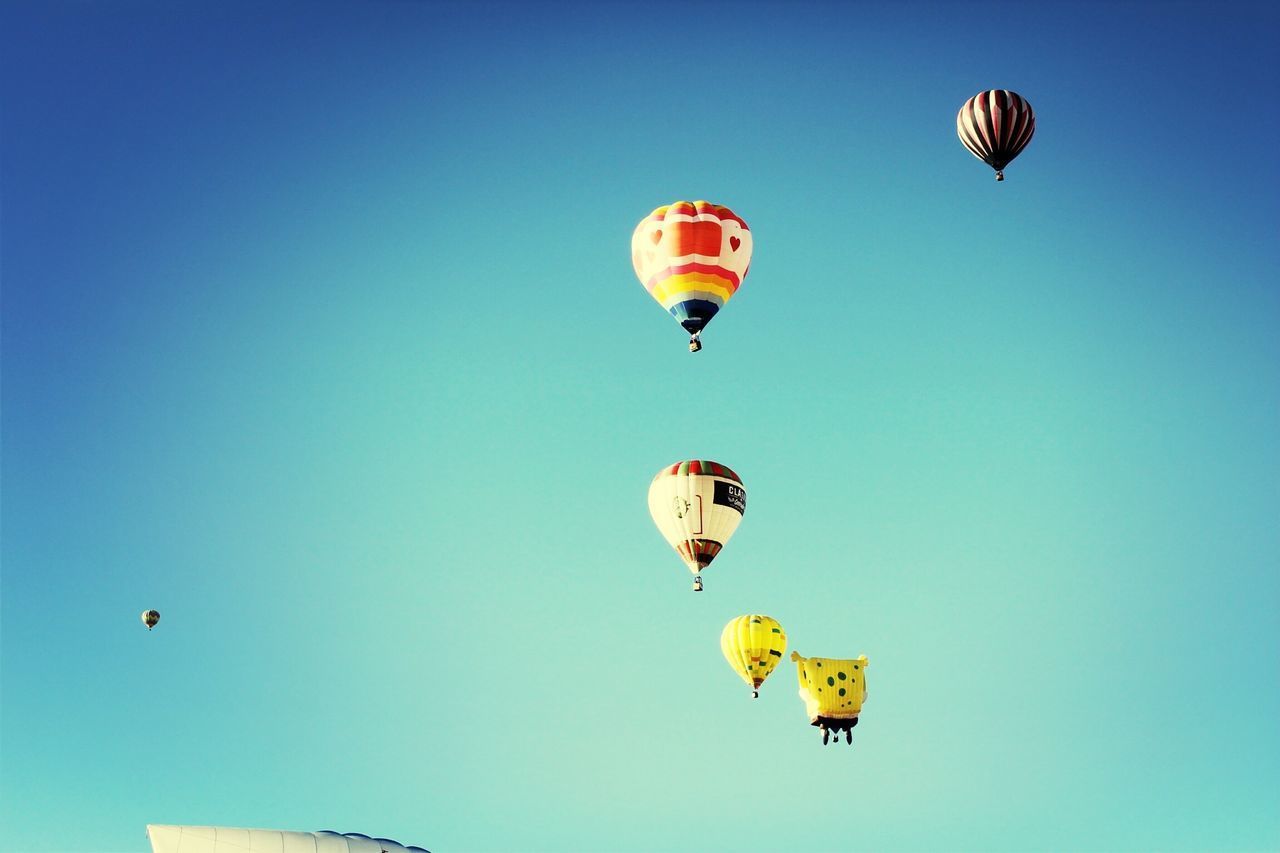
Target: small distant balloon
[(753, 645), (150, 618), (995, 126)]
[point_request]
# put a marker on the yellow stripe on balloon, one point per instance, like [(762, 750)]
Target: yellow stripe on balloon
[(684, 282)]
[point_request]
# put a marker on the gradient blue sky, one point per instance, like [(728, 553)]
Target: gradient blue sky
[(320, 336)]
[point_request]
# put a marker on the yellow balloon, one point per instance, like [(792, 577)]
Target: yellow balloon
[(150, 618), (833, 692), (753, 646)]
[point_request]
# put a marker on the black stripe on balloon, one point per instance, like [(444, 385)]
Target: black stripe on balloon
[(1016, 125), (995, 100), (1026, 127), (971, 139), (1028, 130), (971, 124), (973, 149), (1009, 114), (966, 132), (1000, 156), (989, 124), (1012, 117)]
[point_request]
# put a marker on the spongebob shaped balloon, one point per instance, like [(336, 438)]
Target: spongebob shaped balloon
[(753, 646), (692, 257), (833, 692)]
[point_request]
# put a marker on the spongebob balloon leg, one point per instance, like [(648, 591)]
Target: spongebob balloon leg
[(833, 692)]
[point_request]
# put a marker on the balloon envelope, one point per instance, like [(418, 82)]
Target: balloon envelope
[(692, 258), (753, 645), (995, 126), (150, 618), (832, 689), (697, 505), (224, 839)]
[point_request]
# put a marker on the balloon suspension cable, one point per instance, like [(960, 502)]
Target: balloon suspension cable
[(999, 175), (695, 343), (697, 583)]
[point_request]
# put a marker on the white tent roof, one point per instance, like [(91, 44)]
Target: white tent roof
[(222, 839)]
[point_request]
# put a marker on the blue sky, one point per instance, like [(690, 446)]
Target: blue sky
[(320, 336)]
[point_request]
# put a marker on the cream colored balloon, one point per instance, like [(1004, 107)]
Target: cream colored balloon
[(697, 506)]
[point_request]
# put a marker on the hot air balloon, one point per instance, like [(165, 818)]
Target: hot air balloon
[(150, 618), (833, 692), (996, 126), (753, 646), (692, 257), (225, 839), (697, 505)]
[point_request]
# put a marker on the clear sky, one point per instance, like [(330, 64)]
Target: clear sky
[(320, 336)]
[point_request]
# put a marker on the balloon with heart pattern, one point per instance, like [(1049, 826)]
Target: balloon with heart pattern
[(692, 258)]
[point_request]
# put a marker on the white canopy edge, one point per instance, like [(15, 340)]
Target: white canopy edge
[(223, 839)]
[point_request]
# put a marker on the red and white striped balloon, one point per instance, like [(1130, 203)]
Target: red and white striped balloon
[(996, 125)]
